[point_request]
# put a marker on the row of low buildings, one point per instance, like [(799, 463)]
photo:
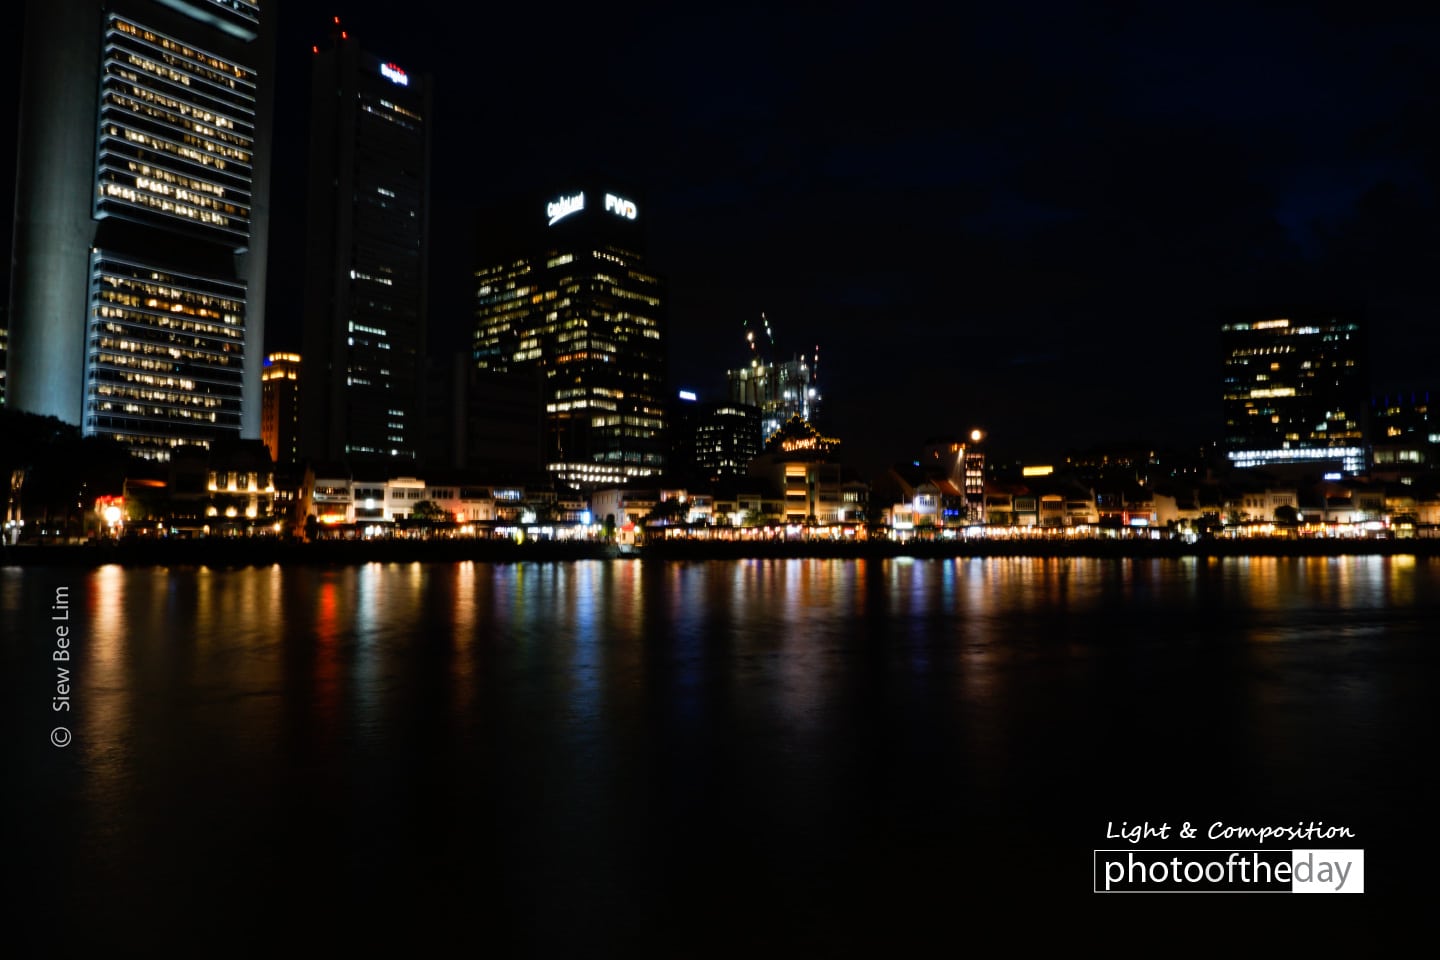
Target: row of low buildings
[(234, 489), (1332, 509), (1104, 496)]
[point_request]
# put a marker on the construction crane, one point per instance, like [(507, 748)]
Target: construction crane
[(756, 357)]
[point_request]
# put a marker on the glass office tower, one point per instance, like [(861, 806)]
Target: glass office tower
[(367, 266), (572, 296), (1295, 392), (140, 234)]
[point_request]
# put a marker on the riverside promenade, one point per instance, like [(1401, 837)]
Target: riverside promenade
[(217, 552)]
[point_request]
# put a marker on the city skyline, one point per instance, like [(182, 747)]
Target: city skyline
[(902, 459), (993, 223)]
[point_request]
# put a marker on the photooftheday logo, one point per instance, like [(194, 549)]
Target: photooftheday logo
[(1229, 871)]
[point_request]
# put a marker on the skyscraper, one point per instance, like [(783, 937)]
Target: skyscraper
[(1295, 392), (137, 295), (566, 289), (367, 263), (4, 349)]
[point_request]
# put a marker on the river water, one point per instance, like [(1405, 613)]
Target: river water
[(704, 758)]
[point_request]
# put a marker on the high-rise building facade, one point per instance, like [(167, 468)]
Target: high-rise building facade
[(483, 422), (138, 285), (367, 264), (568, 292), (712, 441), (4, 331), (1296, 392), (778, 390), (1405, 441), (280, 406)]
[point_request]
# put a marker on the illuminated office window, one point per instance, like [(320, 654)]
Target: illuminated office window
[(164, 355), (177, 134)]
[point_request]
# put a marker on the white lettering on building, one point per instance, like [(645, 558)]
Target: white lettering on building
[(620, 206), (558, 210)]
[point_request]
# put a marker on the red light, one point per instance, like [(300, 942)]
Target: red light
[(344, 35), (337, 19), (314, 49)]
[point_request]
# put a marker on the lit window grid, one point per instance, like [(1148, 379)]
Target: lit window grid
[(1352, 458), (223, 128), (124, 185), (153, 372), (165, 137), (246, 10), (375, 426), (600, 348), (209, 68), (221, 113), (1290, 386), (390, 113), (188, 201)]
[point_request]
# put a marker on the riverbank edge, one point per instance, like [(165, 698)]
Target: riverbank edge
[(232, 553)]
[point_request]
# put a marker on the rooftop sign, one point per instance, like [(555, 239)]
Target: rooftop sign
[(561, 208), (620, 206), (558, 210)]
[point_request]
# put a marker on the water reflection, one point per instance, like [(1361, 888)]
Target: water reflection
[(606, 733)]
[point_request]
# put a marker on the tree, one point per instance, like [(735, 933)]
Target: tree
[(671, 512), (55, 474), (1208, 524), (428, 510)]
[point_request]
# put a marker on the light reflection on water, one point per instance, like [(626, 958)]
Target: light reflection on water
[(607, 731)]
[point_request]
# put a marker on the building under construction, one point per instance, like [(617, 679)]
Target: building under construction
[(779, 389)]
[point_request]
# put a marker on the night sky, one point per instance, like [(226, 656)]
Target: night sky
[(1032, 219)]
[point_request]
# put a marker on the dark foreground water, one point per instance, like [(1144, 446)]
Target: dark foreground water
[(707, 759)]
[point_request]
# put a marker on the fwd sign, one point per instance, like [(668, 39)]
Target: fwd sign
[(620, 206)]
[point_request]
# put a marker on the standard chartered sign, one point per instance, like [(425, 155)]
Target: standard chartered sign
[(394, 74), (559, 209)]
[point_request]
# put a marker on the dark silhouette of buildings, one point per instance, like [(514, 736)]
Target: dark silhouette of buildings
[(367, 258), (484, 422)]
